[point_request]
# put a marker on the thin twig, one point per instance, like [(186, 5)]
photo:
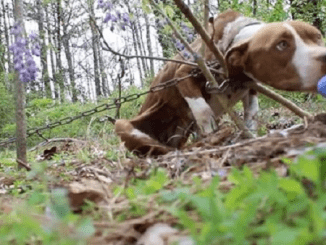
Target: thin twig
[(218, 150), (108, 48)]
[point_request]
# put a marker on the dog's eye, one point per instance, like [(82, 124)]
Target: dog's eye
[(281, 46)]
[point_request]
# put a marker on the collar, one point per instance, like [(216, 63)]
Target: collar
[(239, 30)]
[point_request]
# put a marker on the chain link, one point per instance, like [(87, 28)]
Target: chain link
[(117, 102)]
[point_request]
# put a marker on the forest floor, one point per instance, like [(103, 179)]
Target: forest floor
[(134, 200)]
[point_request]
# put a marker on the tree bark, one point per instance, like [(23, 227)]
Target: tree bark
[(133, 30), (60, 76), (53, 67), (2, 46), (149, 44), (103, 76), (6, 30), (65, 42), (44, 58), (140, 42), (254, 7), (95, 53), (20, 98)]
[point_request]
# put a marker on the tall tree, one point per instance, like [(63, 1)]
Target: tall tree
[(5, 12), (60, 76), (44, 57), (66, 45), (2, 46), (51, 42), (149, 44), (103, 76), (140, 41), (20, 95), (95, 50)]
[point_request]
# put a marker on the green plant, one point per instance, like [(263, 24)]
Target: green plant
[(263, 210), (27, 224)]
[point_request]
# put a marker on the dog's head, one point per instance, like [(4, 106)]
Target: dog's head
[(288, 56)]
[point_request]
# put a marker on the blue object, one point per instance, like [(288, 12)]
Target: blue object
[(321, 86)]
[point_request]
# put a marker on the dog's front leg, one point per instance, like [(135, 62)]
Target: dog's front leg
[(200, 109), (202, 113)]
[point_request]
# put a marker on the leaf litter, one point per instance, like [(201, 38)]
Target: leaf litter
[(102, 180)]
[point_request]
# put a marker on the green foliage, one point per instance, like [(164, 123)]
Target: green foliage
[(260, 210), (42, 111), (26, 224), (6, 104)]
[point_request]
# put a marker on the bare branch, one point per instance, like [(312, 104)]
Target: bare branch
[(108, 48), (203, 33), (287, 103)]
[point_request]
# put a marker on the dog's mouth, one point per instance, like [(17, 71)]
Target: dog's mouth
[(321, 86)]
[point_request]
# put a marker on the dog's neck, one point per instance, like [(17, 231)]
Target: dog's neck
[(240, 29)]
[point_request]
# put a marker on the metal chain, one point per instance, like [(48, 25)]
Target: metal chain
[(117, 102)]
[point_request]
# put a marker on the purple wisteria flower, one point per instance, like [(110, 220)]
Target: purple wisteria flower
[(33, 36), (100, 4), (107, 18), (23, 57), (179, 45), (116, 18)]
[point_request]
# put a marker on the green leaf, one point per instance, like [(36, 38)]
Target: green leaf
[(172, 195), (317, 221), (85, 229), (285, 236), (60, 204), (169, 11), (146, 6), (235, 176), (292, 187)]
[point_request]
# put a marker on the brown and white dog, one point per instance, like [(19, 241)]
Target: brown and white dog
[(287, 56)]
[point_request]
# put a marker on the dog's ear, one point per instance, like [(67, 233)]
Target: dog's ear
[(236, 57)]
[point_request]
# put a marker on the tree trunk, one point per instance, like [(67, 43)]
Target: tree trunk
[(53, 67), (6, 29), (134, 42), (133, 30), (104, 77), (149, 44), (2, 46), (60, 76), (65, 42), (292, 10), (95, 52), (254, 7), (44, 58), (140, 43), (20, 98)]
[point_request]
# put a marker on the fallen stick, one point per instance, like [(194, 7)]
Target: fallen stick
[(21, 164), (287, 103), (56, 140)]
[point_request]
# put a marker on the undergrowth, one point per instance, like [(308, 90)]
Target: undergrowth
[(263, 209)]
